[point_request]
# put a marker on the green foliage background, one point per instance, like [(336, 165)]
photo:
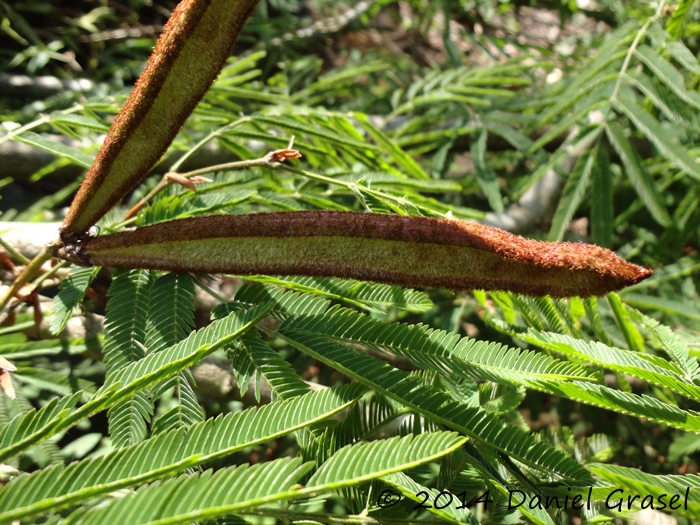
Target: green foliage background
[(373, 387)]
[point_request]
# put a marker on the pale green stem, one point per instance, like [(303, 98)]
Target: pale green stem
[(30, 271), (206, 139), (350, 185), (333, 518), (632, 335), (45, 119), (633, 47), (50, 273), (18, 256), (265, 161)]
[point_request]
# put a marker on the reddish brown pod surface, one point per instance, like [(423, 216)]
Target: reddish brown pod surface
[(411, 251), (188, 56)]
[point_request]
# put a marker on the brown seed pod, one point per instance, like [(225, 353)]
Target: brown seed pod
[(188, 56), (411, 251)]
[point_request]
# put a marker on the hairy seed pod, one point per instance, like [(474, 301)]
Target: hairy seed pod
[(188, 56), (411, 251)]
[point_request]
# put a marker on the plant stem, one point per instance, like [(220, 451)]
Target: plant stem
[(44, 119), (206, 139), (267, 161), (50, 273), (351, 186), (633, 47), (333, 518), (21, 258), (30, 271), (632, 335)]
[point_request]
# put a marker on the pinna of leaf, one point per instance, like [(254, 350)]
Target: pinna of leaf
[(411, 251)]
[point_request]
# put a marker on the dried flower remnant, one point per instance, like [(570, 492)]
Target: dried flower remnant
[(411, 251), (190, 183), (188, 56), (281, 155), (5, 378)]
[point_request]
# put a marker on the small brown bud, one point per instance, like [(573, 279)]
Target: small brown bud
[(281, 155), (179, 179)]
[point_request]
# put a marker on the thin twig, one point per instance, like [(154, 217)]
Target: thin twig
[(18, 256), (53, 271), (633, 47), (36, 123), (271, 160), (333, 518), (352, 186), (30, 271), (231, 125)]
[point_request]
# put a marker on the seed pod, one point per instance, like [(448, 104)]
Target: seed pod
[(411, 251), (188, 56)]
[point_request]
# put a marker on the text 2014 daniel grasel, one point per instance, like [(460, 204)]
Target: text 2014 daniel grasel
[(617, 499)]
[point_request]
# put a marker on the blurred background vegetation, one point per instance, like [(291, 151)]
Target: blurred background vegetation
[(562, 120)]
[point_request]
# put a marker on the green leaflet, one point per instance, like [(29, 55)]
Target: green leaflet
[(298, 127), (435, 405), (129, 418), (655, 133), (602, 213), (329, 81), (250, 356), (669, 75), (187, 352), (633, 481), (356, 463), (125, 326), (409, 165), (57, 148), (285, 303), (70, 295), (574, 190), (638, 175), (368, 296), (235, 489), (126, 381), (645, 366), (167, 453), (35, 423), (676, 22), (439, 350), (170, 315), (509, 133), (663, 98), (672, 345), (125, 321), (484, 175), (201, 496), (668, 306), (80, 121)]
